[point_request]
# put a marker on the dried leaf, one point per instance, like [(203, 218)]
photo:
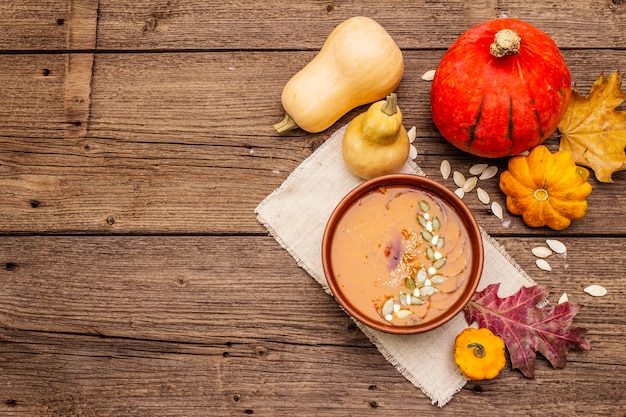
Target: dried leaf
[(526, 328), (594, 131)]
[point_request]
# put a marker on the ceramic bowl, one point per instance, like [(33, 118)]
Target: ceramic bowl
[(472, 250)]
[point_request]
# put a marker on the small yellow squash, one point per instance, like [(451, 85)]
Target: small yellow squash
[(358, 64), (479, 353), (375, 142), (546, 189)]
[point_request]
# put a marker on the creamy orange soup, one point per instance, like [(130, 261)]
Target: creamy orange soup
[(401, 255)]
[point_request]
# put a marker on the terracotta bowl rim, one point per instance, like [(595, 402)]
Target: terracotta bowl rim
[(435, 188)]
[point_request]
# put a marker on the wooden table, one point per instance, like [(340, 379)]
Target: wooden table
[(135, 280)]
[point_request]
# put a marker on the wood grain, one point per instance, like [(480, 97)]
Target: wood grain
[(135, 142), (119, 325)]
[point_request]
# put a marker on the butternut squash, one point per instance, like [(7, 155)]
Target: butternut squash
[(359, 63)]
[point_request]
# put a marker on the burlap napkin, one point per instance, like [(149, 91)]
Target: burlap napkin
[(296, 214)]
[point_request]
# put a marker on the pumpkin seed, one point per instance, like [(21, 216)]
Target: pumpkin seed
[(428, 75), (422, 220), (543, 264), (421, 276), (439, 263), (412, 152), (428, 237), (403, 299), (412, 134), (440, 242), (458, 178), (436, 224), (387, 309), (482, 195), (459, 193), (437, 279), (556, 245), (497, 211), (430, 253), (489, 172), (410, 284), (541, 251), (424, 206), (596, 290), (427, 291), (469, 184), (402, 314), (416, 301), (445, 169), (477, 169), (564, 298)]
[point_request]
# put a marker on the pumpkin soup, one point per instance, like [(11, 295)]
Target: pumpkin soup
[(403, 255)]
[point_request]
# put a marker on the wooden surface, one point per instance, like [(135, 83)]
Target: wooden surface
[(135, 280)]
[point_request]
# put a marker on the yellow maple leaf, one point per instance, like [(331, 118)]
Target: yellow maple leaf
[(594, 131)]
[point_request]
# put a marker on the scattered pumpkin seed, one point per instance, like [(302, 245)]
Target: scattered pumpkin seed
[(459, 193), (412, 152), (445, 169), (541, 251), (564, 298), (489, 172), (410, 284), (440, 242), (483, 196), (477, 169), (439, 263), (556, 245), (430, 253), (424, 206), (497, 211), (428, 75), (543, 264), (412, 134), (458, 178), (469, 184), (428, 237), (403, 299), (596, 290)]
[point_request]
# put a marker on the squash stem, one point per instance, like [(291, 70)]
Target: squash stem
[(286, 124), (391, 105), (479, 350), (505, 42)]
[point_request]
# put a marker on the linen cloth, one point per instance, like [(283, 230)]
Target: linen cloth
[(296, 213)]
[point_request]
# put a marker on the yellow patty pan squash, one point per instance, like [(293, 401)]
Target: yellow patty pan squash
[(479, 353)]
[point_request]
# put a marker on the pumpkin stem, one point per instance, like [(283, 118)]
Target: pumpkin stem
[(479, 350), (391, 105), (286, 124), (505, 42)]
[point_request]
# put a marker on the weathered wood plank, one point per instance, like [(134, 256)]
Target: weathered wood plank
[(305, 25), (163, 153), (162, 325), (48, 25)]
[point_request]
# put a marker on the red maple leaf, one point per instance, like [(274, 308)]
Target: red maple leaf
[(527, 328)]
